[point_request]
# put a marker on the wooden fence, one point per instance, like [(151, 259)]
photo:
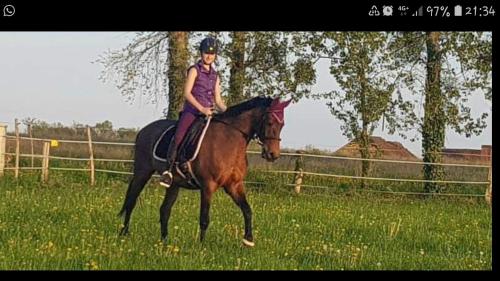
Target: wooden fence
[(298, 171)]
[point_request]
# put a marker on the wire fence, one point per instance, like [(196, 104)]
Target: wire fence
[(298, 173)]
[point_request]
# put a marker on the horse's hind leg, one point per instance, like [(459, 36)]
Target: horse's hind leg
[(139, 180), (166, 207), (237, 193)]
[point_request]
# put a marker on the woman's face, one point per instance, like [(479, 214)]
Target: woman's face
[(207, 58)]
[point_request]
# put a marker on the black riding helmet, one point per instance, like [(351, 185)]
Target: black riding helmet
[(208, 46)]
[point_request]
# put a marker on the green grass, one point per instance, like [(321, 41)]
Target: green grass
[(66, 224)]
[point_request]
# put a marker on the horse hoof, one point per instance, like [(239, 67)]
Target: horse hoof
[(248, 243), (123, 232)]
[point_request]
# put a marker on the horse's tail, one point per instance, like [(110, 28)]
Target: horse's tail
[(144, 166), (143, 170), (136, 185)]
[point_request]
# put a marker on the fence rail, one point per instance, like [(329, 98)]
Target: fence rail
[(293, 154), (377, 160), (373, 178), (297, 173)]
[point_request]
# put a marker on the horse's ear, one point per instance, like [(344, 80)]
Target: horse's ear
[(286, 103), (277, 104)]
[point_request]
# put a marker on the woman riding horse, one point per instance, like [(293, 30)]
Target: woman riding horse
[(221, 161)]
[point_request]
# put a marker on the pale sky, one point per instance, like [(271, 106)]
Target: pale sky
[(50, 76)]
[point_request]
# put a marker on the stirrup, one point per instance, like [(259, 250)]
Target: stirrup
[(166, 179), (184, 167)]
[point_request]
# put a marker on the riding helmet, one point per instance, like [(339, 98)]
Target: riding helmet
[(208, 46)]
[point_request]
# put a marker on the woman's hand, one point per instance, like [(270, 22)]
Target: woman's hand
[(222, 108), (207, 111)]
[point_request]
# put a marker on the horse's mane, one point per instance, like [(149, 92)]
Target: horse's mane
[(237, 109)]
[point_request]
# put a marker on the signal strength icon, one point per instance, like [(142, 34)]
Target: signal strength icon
[(419, 12)]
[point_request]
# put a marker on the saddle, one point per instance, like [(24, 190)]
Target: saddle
[(188, 149)]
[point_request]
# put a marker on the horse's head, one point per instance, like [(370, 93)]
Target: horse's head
[(270, 129)]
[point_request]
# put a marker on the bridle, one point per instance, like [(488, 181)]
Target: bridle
[(261, 132)]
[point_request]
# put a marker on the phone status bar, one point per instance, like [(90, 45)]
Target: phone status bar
[(442, 11)]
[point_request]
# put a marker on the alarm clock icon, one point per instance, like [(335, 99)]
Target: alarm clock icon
[(387, 10)]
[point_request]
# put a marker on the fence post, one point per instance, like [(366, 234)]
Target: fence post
[(299, 168), (488, 195), (45, 161), (91, 151), (32, 148), (16, 171), (3, 141)]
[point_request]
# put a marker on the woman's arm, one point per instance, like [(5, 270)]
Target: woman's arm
[(218, 99), (188, 87)]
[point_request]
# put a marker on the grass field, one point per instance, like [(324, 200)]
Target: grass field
[(66, 224)]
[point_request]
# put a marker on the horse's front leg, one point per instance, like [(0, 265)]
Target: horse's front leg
[(166, 208), (206, 196), (237, 193)]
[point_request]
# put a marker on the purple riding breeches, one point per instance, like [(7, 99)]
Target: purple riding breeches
[(185, 122)]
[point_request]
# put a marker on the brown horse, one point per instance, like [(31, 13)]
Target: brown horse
[(222, 159)]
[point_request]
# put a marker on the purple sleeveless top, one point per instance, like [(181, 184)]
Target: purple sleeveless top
[(203, 88)]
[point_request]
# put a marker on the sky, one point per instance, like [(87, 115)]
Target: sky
[(51, 76)]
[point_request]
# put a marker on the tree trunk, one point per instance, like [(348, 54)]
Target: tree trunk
[(364, 145), (237, 71), (364, 138), (178, 56), (433, 131)]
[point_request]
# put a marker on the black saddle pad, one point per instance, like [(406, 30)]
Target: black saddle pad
[(188, 146), (161, 147)]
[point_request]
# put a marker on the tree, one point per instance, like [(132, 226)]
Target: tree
[(366, 87), (178, 57), (104, 126), (142, 68), (104, 129), (434, 125), (237, 68), (455, 66), (278, 64), (266, 63), (260, 63)]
